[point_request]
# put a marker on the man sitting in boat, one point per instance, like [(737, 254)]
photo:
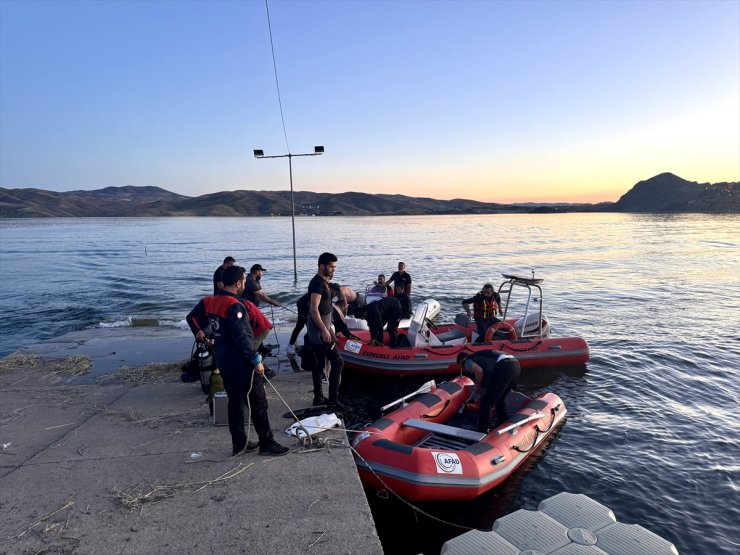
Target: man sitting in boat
[(405, 300), (485, 306), (495, 374), (382, 283), (379, 313)]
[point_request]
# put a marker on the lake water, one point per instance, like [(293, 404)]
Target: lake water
[(651, 429)]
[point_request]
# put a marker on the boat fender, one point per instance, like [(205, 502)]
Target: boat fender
[(500, 326)]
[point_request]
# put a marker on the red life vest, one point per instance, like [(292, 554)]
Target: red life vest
[(485, 307)]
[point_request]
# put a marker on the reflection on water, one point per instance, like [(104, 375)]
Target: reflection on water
[(649, 430)]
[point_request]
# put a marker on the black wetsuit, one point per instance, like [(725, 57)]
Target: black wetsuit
[(398, 278), (226, 319), (319, 351), (405, 301), (302, 306), (500, 374), (381, 312)]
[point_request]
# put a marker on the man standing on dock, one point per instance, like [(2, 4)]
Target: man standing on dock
[(321, 340), (226, 318)]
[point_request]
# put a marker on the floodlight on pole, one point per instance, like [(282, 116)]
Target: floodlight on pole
[(317, 151)]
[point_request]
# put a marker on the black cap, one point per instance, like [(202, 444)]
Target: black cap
[(257, 267)]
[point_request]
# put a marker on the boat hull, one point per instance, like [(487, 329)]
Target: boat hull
[(432, 360), (392, 454)]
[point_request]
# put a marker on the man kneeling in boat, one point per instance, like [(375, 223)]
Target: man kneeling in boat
[(495, 374), (379, 313)]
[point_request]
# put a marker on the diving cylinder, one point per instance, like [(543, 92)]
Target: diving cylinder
[(215, 384), (204, 362)]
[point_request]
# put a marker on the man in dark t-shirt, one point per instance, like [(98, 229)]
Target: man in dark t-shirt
[(401, 277), (218, 275), (321, 342), (253, 289)]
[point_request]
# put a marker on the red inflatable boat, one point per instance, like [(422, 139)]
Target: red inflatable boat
[(433, 349), (419, 453)]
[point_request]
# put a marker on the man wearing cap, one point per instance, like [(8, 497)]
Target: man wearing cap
[(495, 374), (226, 319), (253, 291)]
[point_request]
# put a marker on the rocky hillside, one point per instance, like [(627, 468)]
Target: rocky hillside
[(669, 193), (662, 193)]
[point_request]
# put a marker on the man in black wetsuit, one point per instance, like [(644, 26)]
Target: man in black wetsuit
[(219, 274), (495, 374), (226, 318), (385, 311), (405, 301), (320, 338)]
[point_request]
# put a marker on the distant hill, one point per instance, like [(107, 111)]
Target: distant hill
[(669, 193), (662, 193)]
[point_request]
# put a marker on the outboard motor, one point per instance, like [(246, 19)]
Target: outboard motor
[(532, 326)]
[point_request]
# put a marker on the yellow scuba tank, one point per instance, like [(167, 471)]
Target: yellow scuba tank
[(215, 384)]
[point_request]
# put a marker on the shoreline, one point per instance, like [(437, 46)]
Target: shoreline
[(96, 459)]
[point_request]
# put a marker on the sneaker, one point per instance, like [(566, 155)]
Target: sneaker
[(273, 449), (249, 446), (320, 401), (291, 351)]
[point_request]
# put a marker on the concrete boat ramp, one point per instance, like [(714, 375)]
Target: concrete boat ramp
[(95, 461), (105, 450)]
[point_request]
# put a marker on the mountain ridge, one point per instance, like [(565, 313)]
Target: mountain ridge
[(664, 192)]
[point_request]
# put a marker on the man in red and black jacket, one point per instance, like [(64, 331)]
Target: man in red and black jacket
[(226, 319)]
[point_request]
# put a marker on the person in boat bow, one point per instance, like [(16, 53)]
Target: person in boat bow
[(495, 374), (485, 306), (385, 311)]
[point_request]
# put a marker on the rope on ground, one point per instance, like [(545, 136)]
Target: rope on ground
[(300, 426), (327, 442)]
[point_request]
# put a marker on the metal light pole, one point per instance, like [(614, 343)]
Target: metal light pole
[(317, 151)]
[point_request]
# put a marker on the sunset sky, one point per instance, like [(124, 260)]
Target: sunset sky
[(488, 100)]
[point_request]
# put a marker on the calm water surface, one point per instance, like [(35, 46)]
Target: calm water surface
[(651, 429)]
